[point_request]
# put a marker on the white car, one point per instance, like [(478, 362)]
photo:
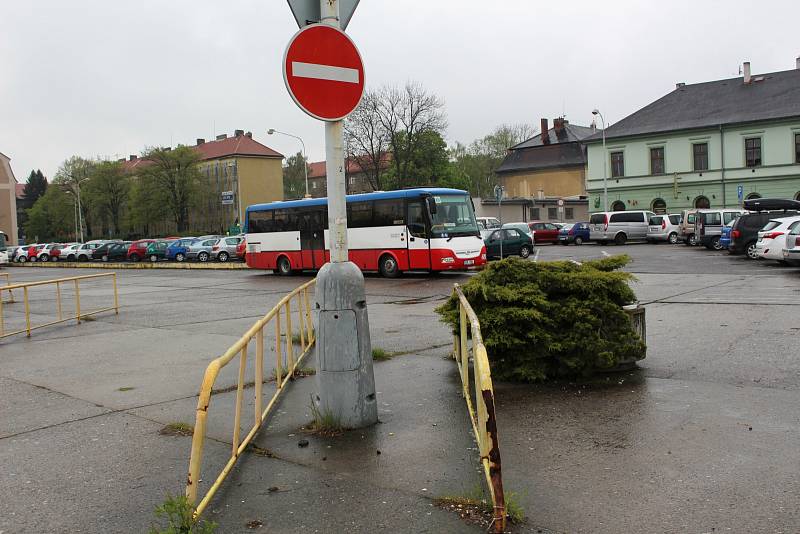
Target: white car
[(84, 252), (22, 254), (46, 252), (3, 257), (791, 249), (69, 252), (772, 238), (664, 228)]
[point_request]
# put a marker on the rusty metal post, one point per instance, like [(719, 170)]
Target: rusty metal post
[(27, 311), (77, 300)]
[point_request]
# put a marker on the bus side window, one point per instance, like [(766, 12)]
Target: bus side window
[(416, 218)]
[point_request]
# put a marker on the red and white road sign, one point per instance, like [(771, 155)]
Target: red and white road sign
[(323, 72)]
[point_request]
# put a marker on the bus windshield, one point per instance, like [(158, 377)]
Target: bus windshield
[(2, 241), (454, 217)]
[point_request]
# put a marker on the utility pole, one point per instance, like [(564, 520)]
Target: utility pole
[(345, 377)]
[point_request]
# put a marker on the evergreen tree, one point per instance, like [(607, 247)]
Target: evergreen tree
[(34, 188)]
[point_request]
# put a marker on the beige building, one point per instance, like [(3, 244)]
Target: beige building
[(545, 176), (8, 200)]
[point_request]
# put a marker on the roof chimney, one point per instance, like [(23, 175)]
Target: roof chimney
[(132, 157), (220, 137), (545, 134), (249, 134), (679, 85), (558, 126), (746, 70), (238, 133), (200, 141)]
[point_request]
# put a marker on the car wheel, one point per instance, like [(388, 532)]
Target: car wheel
[(620, 239), (134, 257), (751, 251), (222, 256), (180, 257), (22, 259), (153, 258), (284, 268), (71, 257), (715, 244), (388, 266), (34, 259), (104, 257), (44, 258), (579, 240), (524, 251), (203, 257), (692, 240), (53, 258), (673, 238)]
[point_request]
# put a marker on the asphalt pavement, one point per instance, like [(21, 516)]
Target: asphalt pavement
[(702, 438)]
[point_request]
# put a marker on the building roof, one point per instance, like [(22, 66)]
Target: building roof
[(19, 191), (550, 156), (317, 169), (573, 132), (711, 104)]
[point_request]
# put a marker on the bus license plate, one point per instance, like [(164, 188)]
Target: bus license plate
[(469, 262)]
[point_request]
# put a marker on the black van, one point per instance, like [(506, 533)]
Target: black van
[(744, 232)]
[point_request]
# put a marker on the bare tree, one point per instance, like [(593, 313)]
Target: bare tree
[(366, 140)]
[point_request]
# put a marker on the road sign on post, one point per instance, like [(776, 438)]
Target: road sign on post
[(324, 74), (740, 192), (227, 198), (308, 12)]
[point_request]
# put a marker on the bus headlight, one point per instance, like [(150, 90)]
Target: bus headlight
[(448, 259)]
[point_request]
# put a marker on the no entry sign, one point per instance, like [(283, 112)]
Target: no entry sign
[(323, 72)]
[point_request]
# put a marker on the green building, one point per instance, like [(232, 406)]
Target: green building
[(709, 144)]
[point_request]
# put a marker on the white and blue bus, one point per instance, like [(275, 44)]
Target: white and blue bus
[(423, 229)]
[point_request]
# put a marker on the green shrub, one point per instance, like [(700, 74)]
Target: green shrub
[(551, 319), (178, 514)]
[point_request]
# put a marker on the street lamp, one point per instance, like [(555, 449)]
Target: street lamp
[(305, 161), (605, 157), (79, 216)]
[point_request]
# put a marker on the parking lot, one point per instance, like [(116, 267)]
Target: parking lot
[(703, 437)]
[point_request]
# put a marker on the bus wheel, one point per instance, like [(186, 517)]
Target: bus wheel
[(284, 268), (389, 267)]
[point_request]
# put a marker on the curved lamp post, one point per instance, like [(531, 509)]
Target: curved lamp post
[(605, 157), (305, 160)]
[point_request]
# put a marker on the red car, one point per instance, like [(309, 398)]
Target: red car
[(138, 249), (241, 249), (544, 232), (33, 252)]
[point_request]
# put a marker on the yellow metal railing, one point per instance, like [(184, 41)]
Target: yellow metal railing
[(59, 283), (283, 309), (481, 408), (10, 294)]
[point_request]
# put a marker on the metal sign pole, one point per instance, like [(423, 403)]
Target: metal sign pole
[(345, 377)]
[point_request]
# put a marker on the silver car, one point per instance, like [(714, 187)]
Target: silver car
[(664, 228), (619, 226), (225, 248), (200, 250)]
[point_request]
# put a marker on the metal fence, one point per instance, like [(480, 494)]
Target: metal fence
[(61, 314), (281, 315), (480, 401), (10, 300)]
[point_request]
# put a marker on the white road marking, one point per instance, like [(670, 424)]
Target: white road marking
[(604, 253), (536, 255), (324, 72)]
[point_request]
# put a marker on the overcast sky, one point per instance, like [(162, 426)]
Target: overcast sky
[(101, 78)]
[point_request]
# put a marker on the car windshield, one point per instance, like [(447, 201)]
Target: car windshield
[(656, 220), (454, 217)]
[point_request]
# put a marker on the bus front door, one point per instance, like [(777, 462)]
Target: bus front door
[(312, 239), (419, 248)]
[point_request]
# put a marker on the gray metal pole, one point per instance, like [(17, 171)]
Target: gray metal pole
[(605, 164), (80, 214), (345, 378)]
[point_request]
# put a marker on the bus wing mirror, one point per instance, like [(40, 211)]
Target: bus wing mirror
[(431, 205)]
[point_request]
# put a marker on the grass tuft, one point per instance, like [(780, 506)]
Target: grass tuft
[(125, 388), (380, 355), (179, 517), (324, 423), (177, 429)]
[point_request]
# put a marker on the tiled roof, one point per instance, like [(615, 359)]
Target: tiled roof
[(552, 156), (19, 191), (317, 168), (711, 104), (573, 133)]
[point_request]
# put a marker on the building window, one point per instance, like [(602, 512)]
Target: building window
[(702, 203), (569, 213), (752, 151), (618, 205), (617, 164), (351, 181), (534, 214), (552, 213), (700, 153), (797, 148), (657, 160)]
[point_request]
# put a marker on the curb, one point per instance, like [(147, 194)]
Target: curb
[(138, 265)]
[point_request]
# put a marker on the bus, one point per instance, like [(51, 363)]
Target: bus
[(423, 229)]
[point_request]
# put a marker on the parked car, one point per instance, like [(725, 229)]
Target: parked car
[(574, 233), (69, 252), (46, 253), (664, 228), (101, 252), (225, 248), (55, 253), (200, 250), (772, 238), (32, 254), (84, 252), (487, 224), (791, 249), (508, 242), (708, 225), (117, 252), (522, 227), (619, 226), (725, 235), (12, 252), (686, 233), (177, 249), (744, 234), (138, 249), (544, 232), (157, 250)]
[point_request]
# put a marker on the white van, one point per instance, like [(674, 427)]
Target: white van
[(619, 226)]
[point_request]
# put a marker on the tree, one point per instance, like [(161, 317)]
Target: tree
[(405, 114), (174, 173), (147, 206), (51, 217), (109, 189), (294, 176), (71, 176), (34, 188), (366, 140)]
